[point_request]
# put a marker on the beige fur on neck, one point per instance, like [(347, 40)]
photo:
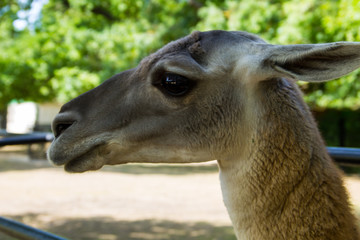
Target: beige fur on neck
[(284, 185)]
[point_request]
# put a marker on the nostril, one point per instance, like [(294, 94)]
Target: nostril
[(60, 128), (63, 121)]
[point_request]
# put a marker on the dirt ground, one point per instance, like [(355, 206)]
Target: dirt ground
[(120, 202)]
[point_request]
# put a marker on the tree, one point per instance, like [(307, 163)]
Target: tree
[(291, 22), (77, 44), (74, 45)]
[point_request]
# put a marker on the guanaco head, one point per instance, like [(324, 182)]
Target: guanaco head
[(193, 100)]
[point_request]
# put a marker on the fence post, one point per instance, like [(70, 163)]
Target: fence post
[(25, 232)]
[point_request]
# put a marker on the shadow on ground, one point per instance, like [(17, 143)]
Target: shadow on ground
[(110, 229), (20, 163)]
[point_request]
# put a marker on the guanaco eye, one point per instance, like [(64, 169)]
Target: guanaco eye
[(175, 85)]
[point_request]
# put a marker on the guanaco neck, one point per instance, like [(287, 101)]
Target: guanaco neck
[(284, 185)]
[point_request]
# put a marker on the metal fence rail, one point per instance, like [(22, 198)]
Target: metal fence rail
[(26, 139), (345, 156), (24, 232)]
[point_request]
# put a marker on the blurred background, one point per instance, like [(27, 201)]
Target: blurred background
[(53, 50)]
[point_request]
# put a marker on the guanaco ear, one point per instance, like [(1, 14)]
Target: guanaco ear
[(313, 62)]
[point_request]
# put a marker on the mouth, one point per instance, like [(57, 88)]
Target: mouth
[(78, 159), (89, 161)]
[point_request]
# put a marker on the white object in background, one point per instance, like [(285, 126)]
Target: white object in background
[(21, 117)]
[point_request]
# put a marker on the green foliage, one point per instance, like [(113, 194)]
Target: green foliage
[(76, 44), (294, 22), (340, 127)]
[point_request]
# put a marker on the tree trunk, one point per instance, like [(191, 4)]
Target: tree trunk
[(3, 115)]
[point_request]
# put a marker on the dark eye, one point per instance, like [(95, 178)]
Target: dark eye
[(174, 84)]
